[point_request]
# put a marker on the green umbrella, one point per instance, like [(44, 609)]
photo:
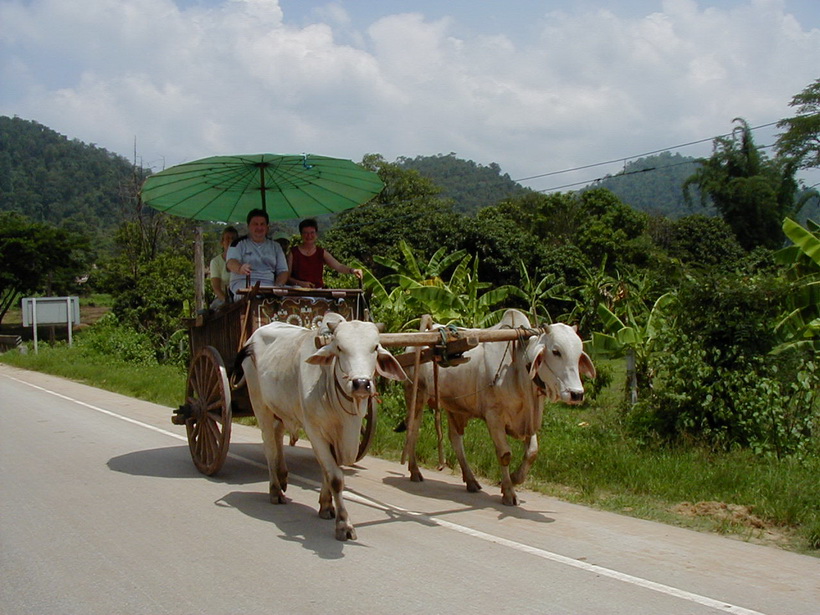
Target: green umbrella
[(226, 188)]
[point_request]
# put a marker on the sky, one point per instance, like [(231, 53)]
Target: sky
[(538, 87)]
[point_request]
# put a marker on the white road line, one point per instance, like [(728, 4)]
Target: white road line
[(542, 553)]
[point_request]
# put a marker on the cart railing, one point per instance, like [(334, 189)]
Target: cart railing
[(227, 328)]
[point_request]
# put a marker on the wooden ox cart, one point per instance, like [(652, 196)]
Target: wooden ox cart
[(213, 398)]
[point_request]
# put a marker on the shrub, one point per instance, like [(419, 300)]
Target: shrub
[(109, 338), (716, 382)]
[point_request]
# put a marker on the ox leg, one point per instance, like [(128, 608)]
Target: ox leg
[(530, 453), (414, 416), (504, 454), (273, 430), (333, 485), (455, 430)]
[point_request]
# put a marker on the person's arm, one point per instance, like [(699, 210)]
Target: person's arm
[(334, 264), (234, 266), (219, 291)]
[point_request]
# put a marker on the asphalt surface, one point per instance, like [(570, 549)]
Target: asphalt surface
[(103, 512)]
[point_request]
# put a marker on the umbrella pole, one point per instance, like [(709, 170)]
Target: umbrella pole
[(199, 271), (262, 185)]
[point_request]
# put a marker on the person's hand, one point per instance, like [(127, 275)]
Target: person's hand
[(244, 269), (357, 272)]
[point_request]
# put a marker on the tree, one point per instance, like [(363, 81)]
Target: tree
[(34, 255), (703, 241), (752, 192), (801, 140), (408, 208)]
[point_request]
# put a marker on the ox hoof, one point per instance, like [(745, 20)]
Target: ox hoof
[(327, 513), (509, 500), (345, 532), (473, 486), (416, 477), (278, 498)]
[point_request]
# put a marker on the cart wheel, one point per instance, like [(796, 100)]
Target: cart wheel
[(209, 398), (368, 429)]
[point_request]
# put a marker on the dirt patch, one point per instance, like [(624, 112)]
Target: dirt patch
[(736, 521), (720, 511)]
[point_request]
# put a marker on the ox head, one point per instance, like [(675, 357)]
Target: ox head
[(358, 356), (557, 359)]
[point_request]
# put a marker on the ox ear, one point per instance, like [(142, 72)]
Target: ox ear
[(585, 365), (388, 366), (323, 356)]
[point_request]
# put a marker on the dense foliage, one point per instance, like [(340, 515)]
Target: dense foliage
[(63, 182), (717, 381), (36, 257)]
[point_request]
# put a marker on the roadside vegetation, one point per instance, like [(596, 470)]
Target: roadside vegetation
[(705, 330)]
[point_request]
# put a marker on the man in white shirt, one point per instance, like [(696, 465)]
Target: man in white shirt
[(256, 256)]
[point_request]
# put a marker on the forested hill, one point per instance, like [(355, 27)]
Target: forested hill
[(470, 185), (654, 185), (51, 178)]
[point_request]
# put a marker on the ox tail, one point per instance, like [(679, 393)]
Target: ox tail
[(238, 374)]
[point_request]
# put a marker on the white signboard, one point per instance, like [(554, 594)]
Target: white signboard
[(51, 311)]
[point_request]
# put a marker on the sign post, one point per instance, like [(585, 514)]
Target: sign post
[(51, 311)]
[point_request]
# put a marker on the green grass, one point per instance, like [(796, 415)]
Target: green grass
[(161, 384), (586, 456)]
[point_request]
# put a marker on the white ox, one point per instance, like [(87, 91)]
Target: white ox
[(326, 391), (505, 384)]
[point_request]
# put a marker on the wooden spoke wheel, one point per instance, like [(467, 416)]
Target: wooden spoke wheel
[(368, 429), (208, 398)]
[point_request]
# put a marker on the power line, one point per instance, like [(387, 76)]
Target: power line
[(625, 173), (624, 159)]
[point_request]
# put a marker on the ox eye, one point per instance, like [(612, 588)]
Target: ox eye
[(556, 353)]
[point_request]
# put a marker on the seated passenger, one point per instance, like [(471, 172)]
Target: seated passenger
[(256, 256), (220, 276), (306, 261)]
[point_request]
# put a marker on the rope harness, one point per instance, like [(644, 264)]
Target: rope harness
[(523, 334), (336, 374)]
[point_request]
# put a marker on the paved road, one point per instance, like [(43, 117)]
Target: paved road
[(103, 512)]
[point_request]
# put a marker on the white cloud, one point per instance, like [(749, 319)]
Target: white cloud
[(237, 76)]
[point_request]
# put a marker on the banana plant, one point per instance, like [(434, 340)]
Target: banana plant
[(537, 291), (459, 302), (800, 326), (633, 339), (412, 272)]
